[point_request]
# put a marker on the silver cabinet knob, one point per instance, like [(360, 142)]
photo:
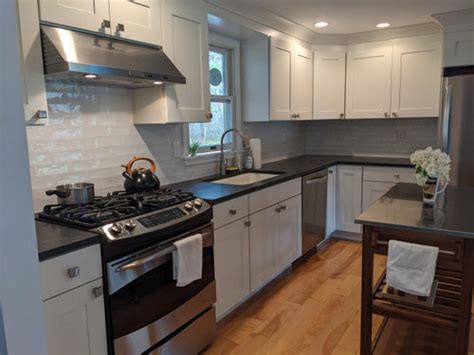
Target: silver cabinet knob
[(120, 27), (209, 116), (232, 212), (73, 272), (341, 115), (283, 208), (293, 116), (278, 209), (394, 114), (105, 24), (386, 114), (247, 223), (97, 291)]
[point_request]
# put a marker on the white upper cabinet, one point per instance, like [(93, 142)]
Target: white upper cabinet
[(329, 84), (459, 48), (302, 85), (368, 87), (91, 15), (186, 42), (416, 77), (34, 90), (138, 20), (281, 67)]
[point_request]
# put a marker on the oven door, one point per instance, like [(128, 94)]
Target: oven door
[(145, 304)]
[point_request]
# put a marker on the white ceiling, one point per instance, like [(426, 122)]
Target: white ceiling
[(346, 16)]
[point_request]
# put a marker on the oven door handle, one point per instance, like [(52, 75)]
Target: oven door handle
[(142, 261)]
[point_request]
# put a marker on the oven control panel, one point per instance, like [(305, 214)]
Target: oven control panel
[(154, 220)]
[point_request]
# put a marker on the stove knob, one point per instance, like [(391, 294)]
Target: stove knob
[(188, 206), (116, 228), (198, 203), (130, 225)]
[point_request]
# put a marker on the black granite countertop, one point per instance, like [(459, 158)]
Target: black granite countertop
[(402, 208), (289, 168), (54, 240)]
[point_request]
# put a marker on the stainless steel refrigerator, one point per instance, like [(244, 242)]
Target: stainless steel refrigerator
[(456, 124)]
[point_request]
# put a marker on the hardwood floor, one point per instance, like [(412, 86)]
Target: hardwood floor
[(314, 309)]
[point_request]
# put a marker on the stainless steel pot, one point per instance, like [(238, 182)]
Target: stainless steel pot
[(73, 194)]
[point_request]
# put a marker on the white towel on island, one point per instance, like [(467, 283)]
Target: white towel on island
[(411, 267), (187, 260)]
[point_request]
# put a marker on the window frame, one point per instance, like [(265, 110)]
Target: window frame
[(231, 47)]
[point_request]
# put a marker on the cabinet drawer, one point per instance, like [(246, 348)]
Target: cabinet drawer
[(388, 174), (71, 270), (272, 195), (229, 211)]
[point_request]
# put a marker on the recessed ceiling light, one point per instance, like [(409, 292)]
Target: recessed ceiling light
[(157, 82), (383, 25), (91, 76), (321, 24)]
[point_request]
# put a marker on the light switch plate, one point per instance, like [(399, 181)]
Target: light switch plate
[(401, 135), (177, 149)]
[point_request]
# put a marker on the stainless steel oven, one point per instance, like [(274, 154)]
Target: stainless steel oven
[(148, 313)]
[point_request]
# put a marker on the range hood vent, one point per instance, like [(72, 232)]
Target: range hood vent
[(77, 57)]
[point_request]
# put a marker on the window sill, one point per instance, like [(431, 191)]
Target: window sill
[(205, 158)]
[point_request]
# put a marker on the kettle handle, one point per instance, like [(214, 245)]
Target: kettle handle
[(129, 165)]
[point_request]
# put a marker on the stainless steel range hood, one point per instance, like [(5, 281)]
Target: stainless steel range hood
[(74, 56)]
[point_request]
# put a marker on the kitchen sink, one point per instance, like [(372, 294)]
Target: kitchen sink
[(245, 178)]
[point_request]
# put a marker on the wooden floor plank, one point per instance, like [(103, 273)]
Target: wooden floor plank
[(314, 309)]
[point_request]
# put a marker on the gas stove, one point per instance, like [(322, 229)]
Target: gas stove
[(143, 216)]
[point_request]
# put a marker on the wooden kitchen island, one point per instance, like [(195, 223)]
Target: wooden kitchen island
[(411, 325)]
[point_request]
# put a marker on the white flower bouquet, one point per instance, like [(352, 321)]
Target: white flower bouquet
[(431, 163)]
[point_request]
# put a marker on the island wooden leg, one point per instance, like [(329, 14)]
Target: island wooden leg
[(366, 293), (462, 336)]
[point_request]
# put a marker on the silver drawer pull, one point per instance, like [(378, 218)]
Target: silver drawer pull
[(232, 212), (73, 272), (283, 208), (247, 223), (97, 291)]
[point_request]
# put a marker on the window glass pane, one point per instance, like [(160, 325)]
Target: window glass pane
[(209, 134), (217, 73)]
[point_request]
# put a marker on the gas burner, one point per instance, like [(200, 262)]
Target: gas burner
[(116, 206)]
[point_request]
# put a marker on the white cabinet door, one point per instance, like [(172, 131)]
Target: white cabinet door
[(281, 65), (458, 48), (331, 201), (75, 322), (416, 78), (329, 84), (34, 90), (231, 258), (368, 86), (372, 191), (84, 14), (349, 197), (302, 84), (140, 20), (263, 234), (288, 241), (186, 42)]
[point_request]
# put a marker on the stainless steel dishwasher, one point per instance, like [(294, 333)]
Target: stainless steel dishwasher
[(314, 209)]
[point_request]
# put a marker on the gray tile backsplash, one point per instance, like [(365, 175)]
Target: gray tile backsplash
[(91, 133)]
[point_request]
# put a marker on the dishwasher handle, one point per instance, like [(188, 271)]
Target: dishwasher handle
[(317, 180)]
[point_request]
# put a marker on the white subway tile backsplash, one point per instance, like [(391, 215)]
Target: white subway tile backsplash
[(91, 133)]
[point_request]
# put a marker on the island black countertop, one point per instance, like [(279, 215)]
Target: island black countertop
[(288, 168), (54, 240), (402, 208)]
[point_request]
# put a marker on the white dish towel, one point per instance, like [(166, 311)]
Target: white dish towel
[(187, 260), (411, 267)]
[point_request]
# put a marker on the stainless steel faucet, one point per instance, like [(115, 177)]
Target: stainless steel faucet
[(244, 140)]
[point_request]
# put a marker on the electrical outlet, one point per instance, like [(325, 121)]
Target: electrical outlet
[(177, 149), (401, 135)]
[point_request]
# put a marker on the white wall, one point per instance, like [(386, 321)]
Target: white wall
[(21, 331)]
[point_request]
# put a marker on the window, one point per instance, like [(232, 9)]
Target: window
[(207, 135)]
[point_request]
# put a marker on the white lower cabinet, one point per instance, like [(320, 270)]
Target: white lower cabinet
[(372, 191), (349, 197), (232, 268), (275, 240), (75, 321)]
